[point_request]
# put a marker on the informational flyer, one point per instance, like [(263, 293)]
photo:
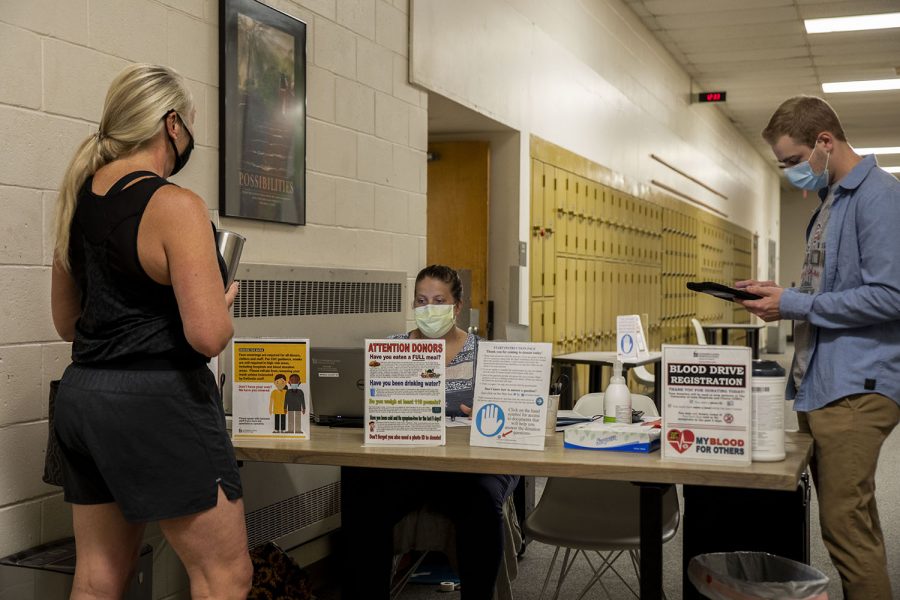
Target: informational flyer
[(512, 383), (405, 393), (270, 388), (707, 403), (630, 340)]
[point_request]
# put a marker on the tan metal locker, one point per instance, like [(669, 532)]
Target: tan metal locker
[(613, 236), (549, 279), (629, 212), (618, 286), (593, 244), (632, 304), (538, 230), (561, 232), (588, 192), (572, 212), (561, 303), (536, 325), (639, 294), (549, 322), (598, 304), (581, 301), (590, 301), (603, 223), (571, 301), (607, 300), (581, 215), (657, 286), (550, 224), (618, 228)]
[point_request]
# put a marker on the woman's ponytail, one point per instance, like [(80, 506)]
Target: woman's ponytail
[(88, 158), (136, 103)]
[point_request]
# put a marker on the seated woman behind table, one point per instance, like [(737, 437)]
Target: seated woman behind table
[(374, 500)]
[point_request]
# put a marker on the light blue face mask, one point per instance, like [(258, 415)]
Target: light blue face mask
[(803, 176)]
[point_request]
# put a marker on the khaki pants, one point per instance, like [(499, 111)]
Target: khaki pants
[(848, 435)]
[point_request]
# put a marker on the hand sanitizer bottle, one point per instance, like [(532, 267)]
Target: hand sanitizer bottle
[(617, 398)]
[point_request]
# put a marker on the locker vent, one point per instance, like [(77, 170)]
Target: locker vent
[(287, 516), (276, 298)]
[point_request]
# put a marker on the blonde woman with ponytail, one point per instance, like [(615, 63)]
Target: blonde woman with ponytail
[(138, 288)]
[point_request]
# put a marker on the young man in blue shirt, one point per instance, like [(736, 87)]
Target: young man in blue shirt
[(844, 381)]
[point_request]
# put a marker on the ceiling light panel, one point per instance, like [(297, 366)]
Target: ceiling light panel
[(871, 85), (854, 23), (882, 150)]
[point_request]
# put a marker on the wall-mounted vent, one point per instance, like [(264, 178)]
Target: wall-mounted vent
[(274, 298), (283, 518)]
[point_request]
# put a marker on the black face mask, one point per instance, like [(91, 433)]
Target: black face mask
[(181, 160)]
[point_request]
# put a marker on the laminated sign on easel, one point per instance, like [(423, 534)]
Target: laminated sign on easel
[(270, 388), (630, 340), (405, 392), (707, 403), (512, 382)]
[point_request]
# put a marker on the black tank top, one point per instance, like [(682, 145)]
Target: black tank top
[(127, 319)]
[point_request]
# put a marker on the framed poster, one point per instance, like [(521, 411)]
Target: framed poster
[(262, 112)]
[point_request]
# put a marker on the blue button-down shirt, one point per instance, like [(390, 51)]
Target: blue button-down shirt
[(856, 312)]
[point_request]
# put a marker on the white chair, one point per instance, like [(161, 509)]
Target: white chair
[(698, 330), (590, 517), (643, 376), (590, 405)]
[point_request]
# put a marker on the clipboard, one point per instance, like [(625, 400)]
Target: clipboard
[(721, 291)]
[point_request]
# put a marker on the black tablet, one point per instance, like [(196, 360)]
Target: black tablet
[(721, 291)]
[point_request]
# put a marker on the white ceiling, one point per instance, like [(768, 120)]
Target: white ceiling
[(759, 52)]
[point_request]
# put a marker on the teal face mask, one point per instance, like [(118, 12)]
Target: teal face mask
[(802, 175)]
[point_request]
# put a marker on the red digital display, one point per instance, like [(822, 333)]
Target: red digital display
[(711, 97)]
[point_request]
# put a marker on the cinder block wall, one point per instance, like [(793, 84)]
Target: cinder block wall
[(366, 139)]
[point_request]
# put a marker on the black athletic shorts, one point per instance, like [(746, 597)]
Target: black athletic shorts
[(154, 442)]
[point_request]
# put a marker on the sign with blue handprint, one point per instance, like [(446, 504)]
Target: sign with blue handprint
[(490, 419), (510, 401)]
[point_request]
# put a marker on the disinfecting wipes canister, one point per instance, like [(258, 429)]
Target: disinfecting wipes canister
[(768, 411)]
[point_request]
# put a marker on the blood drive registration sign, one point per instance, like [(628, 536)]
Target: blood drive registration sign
[(706, 403)]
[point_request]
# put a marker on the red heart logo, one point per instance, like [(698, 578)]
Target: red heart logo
[(681, 440)]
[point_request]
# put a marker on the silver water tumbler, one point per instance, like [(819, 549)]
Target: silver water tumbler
[(230, 245)]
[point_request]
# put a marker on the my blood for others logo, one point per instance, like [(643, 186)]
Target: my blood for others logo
[(682, 440)]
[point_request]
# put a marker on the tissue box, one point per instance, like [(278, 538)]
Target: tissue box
[(622, 437)]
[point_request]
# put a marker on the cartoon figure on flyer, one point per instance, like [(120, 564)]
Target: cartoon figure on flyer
[(295, 404), (277, 403)]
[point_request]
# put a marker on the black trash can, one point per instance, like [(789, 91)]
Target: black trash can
[(46, 572)]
